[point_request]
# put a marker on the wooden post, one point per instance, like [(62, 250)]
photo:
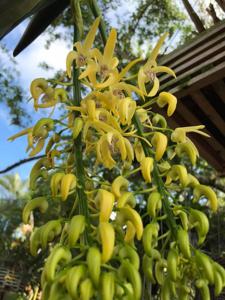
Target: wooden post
[(221, 3), (194, 17)]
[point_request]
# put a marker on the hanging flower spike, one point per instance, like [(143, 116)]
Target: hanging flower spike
[(148, 72), (104, 66), (179, 134), (84, 51), (169, 100)]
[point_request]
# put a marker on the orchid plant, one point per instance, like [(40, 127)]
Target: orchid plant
[(103, 248)]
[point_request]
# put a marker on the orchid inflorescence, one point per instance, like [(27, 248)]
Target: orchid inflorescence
[(110, 251)]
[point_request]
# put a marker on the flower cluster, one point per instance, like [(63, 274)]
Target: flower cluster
[(101, 249)]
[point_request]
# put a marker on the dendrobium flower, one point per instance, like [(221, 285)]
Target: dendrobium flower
[(168, 99), (147, 73), (126, 110), (179, 134), (84, 51), (109, 145), (102, 71)]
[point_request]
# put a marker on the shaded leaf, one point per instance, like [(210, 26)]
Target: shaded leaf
[(39, 23), (13, 12)]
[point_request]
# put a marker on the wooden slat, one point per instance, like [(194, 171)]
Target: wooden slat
[(198, 81), (193, 44), (200, 60), (196, 51), (202, 102)]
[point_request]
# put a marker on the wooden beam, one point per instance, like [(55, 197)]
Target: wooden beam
[(197, 50), (202, 102), (219, 89), (203, 60), (194, 43), (197, 82)]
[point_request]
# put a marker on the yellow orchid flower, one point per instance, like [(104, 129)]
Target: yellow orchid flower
[(178, 172), (119, 88), (126, 110), (146, 168), (21, 133), (204, 190), (169, 100), (159, 141), (108, 145), (139, 151), (119, 186), (130, 151), (84, 51), (189, 149), (40, 89), (142, 115), (103, 152), (159, 120), (179, 134), (147, 73), (104, 65)]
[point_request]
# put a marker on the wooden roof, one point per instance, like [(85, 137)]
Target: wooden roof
[(200, 89)]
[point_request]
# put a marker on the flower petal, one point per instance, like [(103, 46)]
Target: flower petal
[(72, 55), (162, 69), (110, 46), (155, 51), (91, 34), (128, 67), (141, 80), (112, 78), (155, 88), (91, 68)]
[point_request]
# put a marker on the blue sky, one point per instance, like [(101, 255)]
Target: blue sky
[(28, 62)]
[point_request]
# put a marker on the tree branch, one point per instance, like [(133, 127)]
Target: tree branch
[(20, 162)]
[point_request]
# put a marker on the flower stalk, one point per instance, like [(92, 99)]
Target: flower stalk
[(80, 173)]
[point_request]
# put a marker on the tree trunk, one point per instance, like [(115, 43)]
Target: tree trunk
[(194, 17)]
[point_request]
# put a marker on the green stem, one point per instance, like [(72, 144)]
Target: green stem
[(80, 172)]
